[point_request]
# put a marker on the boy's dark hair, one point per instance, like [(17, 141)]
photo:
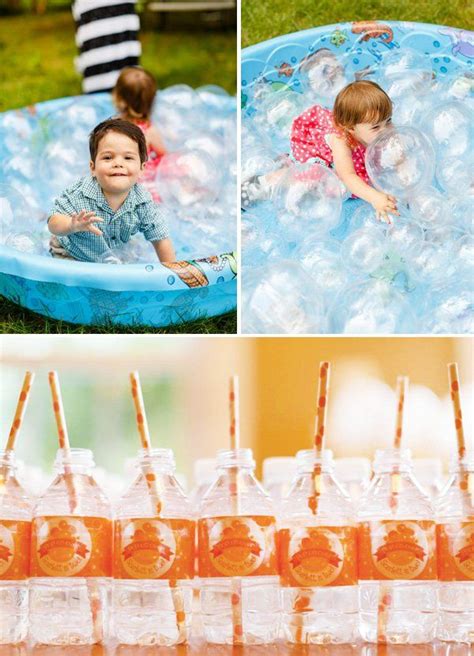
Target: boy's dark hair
[(123, 127)]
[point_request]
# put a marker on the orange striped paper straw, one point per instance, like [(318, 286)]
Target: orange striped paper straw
[(144, 433), (467, 480), (20, 410), (454, 387), (234, 434), (385, 598), (319, 431), (63, 437)]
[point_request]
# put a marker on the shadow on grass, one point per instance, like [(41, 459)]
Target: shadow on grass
[(16, 320)]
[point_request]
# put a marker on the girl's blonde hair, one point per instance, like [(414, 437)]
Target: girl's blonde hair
[(134, 92), (361, 102)]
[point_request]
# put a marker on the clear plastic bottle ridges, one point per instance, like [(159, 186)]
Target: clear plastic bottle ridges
[(15, 531), (71, 556), (277, 476), (455, 537), (318, 556), (238, 547), (153, 556), (397, 553)]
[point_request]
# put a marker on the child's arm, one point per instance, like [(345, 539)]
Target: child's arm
[(155, 141), (83, 221), (165, 250), (381, 202)]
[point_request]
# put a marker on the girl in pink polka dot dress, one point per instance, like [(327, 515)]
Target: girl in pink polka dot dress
[(339, 139)]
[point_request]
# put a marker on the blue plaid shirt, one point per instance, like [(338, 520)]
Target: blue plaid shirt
[(137, 214)]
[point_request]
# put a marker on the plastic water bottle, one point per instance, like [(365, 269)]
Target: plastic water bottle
[(318, 557), (455, 538), (354, 475), (204, 476), (397, 553), (429, 474), (15, 532), (71, 556), (278, 473), (154, 556), (242, 547)]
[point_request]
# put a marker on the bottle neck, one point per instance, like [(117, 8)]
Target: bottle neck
[(8, 464), (389, 461), (232, 459), (464, 466), (159, 460), (308, 460), (74, 461)]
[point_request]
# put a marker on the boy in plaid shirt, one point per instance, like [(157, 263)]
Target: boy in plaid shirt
[(104, 210)]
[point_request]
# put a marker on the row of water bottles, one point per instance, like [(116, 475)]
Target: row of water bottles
[(312, 568)]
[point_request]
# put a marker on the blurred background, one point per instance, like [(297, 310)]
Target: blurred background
[(185, 381)]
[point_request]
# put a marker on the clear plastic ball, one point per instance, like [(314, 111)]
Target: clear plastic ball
[(62, 163), (180, 113), (364, 250), (463, 254), (187, 178), (406, 84), (311, 196), (400, 160), (450, 127), (372, 307), (279, 298), (324, 267), (405, 236), (429, 207), (276, 112), (462, 213), (323, 76), (26, 242), (456, 176), (429, 263), (452, 309), (399, 62)]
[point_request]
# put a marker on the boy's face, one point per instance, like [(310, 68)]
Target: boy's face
[(365, 133), (117, 165)]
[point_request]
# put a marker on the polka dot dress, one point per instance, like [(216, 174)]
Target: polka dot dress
[(308, 140)]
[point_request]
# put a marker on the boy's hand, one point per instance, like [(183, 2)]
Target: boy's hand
[(384, 205), (84, 222)]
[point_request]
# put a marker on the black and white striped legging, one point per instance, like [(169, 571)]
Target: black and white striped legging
[(107, 38)]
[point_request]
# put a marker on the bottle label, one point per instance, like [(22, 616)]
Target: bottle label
[(318, 555), (397, 550), (154, 549), (455, 551), (71, 546), (237, 546), (14, 549)]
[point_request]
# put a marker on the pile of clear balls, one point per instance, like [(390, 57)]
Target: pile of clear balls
[(315, 260), (46, 150)]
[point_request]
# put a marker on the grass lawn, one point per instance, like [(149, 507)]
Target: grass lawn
[(37, 55), (267, 19)]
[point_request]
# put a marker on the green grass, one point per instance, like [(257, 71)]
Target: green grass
[(37, 55), (267, 19), (16, 320)]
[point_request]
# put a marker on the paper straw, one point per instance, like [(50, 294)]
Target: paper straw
[(319, 431), (93, 591), (234, 433), (467, 479), (155, 497), (20, 410), (453, 375), (302, 600), (385, 598)]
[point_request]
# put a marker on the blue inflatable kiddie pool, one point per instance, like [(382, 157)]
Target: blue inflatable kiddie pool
[(43, 148), (423, 300)]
